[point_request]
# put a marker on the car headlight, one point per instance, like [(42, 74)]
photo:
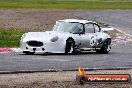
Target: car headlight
[(54, 39), (23, 36)]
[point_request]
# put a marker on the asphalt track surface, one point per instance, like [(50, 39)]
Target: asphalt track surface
[(120, 56)]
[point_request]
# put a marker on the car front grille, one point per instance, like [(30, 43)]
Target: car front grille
[(35, 43)]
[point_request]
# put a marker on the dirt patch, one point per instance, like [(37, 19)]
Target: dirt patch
[(35, 20), (119, 37), (56, 80)]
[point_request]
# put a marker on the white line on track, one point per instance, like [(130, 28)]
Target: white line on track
[(53, 59), (59, 60)]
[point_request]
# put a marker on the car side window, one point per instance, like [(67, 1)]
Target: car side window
[(78, 29), (89, 28), (97, 29)]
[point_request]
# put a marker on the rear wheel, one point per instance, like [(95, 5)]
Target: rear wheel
[(105, 48), (70, 47), (28, 53)]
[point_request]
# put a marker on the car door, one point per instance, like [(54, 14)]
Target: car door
[(89, 38), (98, 34)]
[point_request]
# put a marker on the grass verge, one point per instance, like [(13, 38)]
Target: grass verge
[(10, 37), (66, 4)]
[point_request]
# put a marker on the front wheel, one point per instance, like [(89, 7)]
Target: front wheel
[(70, 47), (106, 47)]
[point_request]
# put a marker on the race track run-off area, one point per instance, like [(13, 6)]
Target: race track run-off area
[(119, 57)]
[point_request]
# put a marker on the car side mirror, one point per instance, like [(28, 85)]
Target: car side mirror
[(81, 33)]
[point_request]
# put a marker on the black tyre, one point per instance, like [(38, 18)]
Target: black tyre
[(70, 47), (106, 47), (28, 53)]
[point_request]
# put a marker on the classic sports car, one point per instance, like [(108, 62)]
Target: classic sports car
[(67, 36)]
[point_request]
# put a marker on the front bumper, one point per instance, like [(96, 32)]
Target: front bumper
[(52, 47)]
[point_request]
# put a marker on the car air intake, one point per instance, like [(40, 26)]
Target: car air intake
[(35, 43)]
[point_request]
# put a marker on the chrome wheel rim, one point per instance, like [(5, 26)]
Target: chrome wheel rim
[(109, 48), (71, 50)]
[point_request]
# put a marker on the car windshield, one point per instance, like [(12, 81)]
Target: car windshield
[(71, 27)]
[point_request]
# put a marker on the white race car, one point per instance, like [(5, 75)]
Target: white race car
[(67, 36)]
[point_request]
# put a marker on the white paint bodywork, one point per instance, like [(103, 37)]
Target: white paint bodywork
[(82, 41)]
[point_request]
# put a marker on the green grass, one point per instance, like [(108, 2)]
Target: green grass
[(66, 4), (10, 37)]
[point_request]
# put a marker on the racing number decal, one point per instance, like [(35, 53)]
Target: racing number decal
[(92, 40)]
